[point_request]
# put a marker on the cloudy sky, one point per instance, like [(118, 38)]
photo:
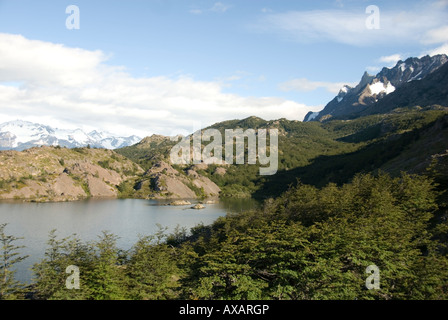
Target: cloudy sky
[(169, 66)]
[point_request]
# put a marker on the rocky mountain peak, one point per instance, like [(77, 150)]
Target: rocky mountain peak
[(372, 89)]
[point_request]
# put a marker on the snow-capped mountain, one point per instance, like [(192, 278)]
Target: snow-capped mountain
[(372, 89), (21, 135)]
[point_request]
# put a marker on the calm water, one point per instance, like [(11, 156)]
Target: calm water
[(126, 218)]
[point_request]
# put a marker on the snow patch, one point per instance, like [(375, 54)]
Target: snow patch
[(313, 116), (16, 133), (403, 67), (379, 87), (416, 77)]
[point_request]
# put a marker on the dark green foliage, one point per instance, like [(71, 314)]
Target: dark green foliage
[(80, 150), (317, 243), (152, 269), (9, 257), (50, 275), (106, 279), (126, 189), (330, 212), (309, 243), (105, 164)]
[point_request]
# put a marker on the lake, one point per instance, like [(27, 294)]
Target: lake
[(126, 218)]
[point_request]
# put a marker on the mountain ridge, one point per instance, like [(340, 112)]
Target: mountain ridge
[(20, 135), (371, 90)]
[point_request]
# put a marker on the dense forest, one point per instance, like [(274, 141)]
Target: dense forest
[(309, 243)]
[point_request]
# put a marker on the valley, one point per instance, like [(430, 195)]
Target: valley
[(361, 184)]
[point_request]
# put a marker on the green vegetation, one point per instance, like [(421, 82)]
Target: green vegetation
[(9, 257), (320, 153), (104, 164), (348, 194), (126, 189), (309, 243), (149, 151)]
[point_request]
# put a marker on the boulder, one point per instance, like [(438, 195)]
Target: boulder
[(180, 203), (198, 206)]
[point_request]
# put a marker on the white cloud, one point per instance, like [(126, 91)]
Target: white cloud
[(196, 11), (443, 49), (441, 4), (220, 7), (392, 59), (373, 69), (421, 24), (77, 88), (305, 85), (339, 3), (438, 35), (217, 7), (43, 62)]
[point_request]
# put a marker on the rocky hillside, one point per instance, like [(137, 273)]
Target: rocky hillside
[(149, 150), (162, 181), (61, 174)]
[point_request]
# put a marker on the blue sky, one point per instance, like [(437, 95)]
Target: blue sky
[(165, 66)]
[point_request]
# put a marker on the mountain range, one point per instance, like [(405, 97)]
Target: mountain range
[(20, 135), (394, 121), (413, 82)]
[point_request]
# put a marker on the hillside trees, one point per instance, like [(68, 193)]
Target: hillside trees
[(317, 243), (310, 243)]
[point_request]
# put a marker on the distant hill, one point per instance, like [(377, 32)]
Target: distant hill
[(317, 153), (320, 152), (394, 121)]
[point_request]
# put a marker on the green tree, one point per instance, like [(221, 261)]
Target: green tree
[(9, 257), (50, 273), (152, 269), (317, 243), (106, 278)]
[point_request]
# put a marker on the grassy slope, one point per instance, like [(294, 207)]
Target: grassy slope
[(319, 153)]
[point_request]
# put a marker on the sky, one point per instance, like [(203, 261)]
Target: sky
[(173, 66)]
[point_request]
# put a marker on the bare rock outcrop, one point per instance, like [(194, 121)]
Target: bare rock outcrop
[(64, 185), (167, 182), (61, 174)]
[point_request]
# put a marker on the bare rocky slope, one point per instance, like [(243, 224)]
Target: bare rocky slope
[(163, 181), (60, 174)]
